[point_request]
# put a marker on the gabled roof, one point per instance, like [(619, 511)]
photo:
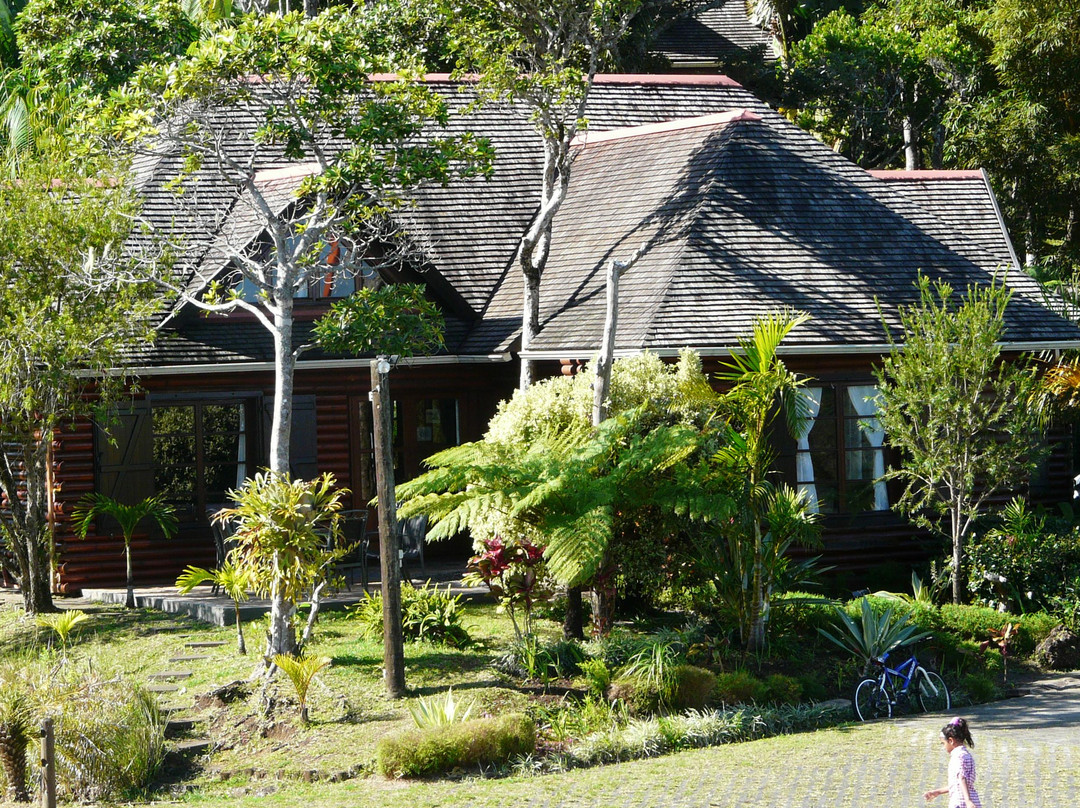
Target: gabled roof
[(706, 38), (744, 213)]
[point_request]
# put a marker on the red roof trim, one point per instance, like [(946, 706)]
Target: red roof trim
[(901, 175), (679, 124), (666, 79)]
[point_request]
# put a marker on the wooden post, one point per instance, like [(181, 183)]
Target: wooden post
[(389, 552), (48, 765)]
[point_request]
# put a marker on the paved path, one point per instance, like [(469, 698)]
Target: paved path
[(1027, 752)]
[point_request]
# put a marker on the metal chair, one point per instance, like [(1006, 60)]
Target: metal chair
[(223, 538), (353, 535), (411, 535)]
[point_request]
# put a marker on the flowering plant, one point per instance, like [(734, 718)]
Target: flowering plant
[(514, 572)]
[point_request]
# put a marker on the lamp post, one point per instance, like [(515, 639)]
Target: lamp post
[(389, 551)]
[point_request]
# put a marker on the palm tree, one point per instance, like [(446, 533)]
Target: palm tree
[(231, 579), (128, 517), (762, 389)]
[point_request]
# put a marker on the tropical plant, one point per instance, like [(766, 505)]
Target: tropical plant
[(746, 548), (232, 581), (63, 623), (16, 728), (128, 517), (1001, 639), (872, 635), (302, 671), (513, 572), (958, 414), (921, 593), (654, 666), (427, 614), (439, 711), (281, 529)]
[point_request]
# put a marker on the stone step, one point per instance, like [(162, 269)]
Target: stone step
[(205, 644), (193, 746), (175, 727), (170, 675), (189, 658), (162, 688)]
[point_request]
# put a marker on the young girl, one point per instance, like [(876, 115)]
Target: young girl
[(961, 788)]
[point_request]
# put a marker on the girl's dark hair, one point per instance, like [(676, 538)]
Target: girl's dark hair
[(957, 730)]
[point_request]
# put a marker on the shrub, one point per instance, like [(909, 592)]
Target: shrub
[(694, 688), (1025, 561), (872, 633), (976, 622), (781, 689), (739, 687), (439, 711), (597, 676), (531, 658), (635, 693), (482, 741), (979, 688), (427, 613)]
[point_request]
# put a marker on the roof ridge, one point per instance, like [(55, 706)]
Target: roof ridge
[(655, 79), (900, 174), (678, 124)]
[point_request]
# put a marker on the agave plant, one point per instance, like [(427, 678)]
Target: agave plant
[(128, 517), (235, 583), (440, 711), (63, 623), (301, 671), (872, 636)]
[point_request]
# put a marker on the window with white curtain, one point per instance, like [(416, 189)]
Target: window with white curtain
[(839, 453)]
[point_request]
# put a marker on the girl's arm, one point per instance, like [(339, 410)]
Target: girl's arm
[(935, 792), (968, 803)]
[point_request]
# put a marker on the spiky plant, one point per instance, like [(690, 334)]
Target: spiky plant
[(872, 636), (62, 623), (301, 671), (440, 711), (16, 726), (235, 583), (128, 517)]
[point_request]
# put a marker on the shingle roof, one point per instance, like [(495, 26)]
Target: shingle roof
[(708, 36), (741, 216), (748, 214)]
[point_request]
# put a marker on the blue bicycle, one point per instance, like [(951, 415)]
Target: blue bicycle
[(907, 684)]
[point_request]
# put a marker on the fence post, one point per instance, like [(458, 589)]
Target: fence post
[(48, 765)]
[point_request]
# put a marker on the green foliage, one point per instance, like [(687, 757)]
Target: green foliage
[(99, 45), (1066, 606), (1025, 561), (979, 688), (872, 635), (16, 732), (230, 579), (976, 623), (514, 572), (570, 719), (390, 320), (739, 687), (482, 741), (301, 671), (63, 623), (654, 667), (434, 711), (427, 614), (597, 676), (541, 445), (955, 412), (781, 689), (694, 688), (67, 316), (532, 658)]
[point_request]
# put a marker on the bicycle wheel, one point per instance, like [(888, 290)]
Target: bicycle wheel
[(931, 691), (871, 701)]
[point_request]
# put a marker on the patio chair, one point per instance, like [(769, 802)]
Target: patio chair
[(223, 538), (353, 535), (411, 535)]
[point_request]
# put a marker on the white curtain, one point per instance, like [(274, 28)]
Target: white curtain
[(864, 398), (804, 463), (241, 451)]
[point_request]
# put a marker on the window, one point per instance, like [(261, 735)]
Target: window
[(335, 282), (839, 456)]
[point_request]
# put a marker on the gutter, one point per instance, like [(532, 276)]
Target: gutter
[(790, 350), (316, 364)]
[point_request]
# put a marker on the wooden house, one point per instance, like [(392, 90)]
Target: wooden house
[(741, 212)]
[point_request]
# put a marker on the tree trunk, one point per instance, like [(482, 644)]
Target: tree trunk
[(911, 146), (241, 646), (574, 622), (389, 555), (284, 369), (281, 639), (530, 326), (36, 583), (759, 609), (957, 556), (602, 382), (129, 603), (603, 589)]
